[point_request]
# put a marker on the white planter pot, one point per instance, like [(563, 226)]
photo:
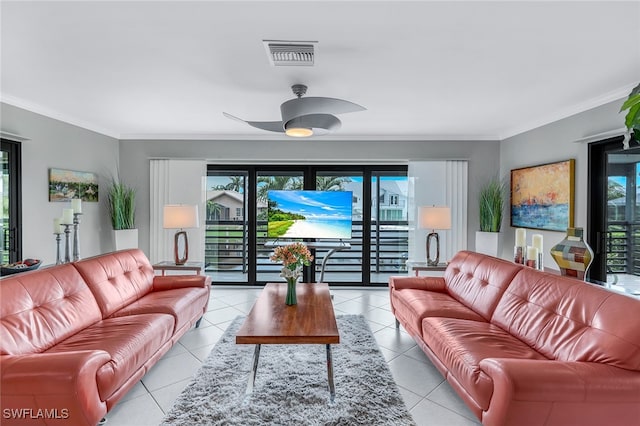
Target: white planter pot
[(126, 238), (489, 243)]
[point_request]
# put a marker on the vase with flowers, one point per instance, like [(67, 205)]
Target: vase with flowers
[(293, 257)]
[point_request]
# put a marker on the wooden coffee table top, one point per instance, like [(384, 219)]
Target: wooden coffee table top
[(270, 321)]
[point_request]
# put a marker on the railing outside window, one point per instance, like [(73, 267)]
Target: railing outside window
[(623, 247), (226, 248)]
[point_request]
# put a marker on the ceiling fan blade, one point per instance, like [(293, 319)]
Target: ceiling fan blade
[(316, 105), (272, 126)]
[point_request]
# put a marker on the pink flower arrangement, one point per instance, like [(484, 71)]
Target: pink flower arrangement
[(293, 257)]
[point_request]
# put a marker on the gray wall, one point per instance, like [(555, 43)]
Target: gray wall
[(483, 157), (557, 142), (53, 143)]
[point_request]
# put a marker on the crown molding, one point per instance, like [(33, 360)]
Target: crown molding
[(335, 137), (56, 115), (614, 95)]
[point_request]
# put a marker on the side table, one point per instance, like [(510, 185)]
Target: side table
[(416, 267), (167, 265)]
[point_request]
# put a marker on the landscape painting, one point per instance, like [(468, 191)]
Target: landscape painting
[(65, 185), (542, 196)]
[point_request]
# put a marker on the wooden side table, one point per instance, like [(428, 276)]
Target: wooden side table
[(167, 265), (416, 267)]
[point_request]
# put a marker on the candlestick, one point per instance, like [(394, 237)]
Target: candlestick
[(67, 216), (76, 205), (76, 236), (519, 250), (532, 257), (67, 231), (58, 258), (537, 243), (57, 229)]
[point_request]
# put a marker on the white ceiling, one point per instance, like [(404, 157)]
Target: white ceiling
[(423, 69)]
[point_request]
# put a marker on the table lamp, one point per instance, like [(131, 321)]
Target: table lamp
[(180, 217), (434, 218)]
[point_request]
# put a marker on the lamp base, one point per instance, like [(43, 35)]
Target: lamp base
[(180, 260), (433, 262)]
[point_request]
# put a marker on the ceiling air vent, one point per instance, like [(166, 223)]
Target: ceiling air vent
[(290, 53)]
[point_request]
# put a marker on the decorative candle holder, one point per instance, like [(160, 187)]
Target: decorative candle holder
[(532, 263), (540, 257), (58, 258), (76, 237), (519, 254), (67, 231)]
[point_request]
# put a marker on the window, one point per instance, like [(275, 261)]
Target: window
[(235, 249), (11, 218)]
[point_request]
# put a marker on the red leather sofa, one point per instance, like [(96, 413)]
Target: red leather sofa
[(74, 338), (524, 347)]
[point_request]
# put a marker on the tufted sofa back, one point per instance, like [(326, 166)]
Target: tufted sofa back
[(570, 320), (43, 307), (117, 279), (478, 281)]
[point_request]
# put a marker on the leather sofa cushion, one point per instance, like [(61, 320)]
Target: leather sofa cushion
[(570, 320), (44, 307), (182, 303), (117, 279), (130, 341), (462, 344), (478, 281), (413, 305)]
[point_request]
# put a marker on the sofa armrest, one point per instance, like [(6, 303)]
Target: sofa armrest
[(64, 381), (169, 282), (420, 283), (544, 380), (556, 383)]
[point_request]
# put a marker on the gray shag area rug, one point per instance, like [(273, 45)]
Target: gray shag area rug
[(291, 384)]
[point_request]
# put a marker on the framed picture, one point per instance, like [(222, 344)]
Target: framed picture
[(67, 184), (542, 196)]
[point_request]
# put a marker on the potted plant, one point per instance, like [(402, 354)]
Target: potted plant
[(122, 211), (491, 204), (632, 119)]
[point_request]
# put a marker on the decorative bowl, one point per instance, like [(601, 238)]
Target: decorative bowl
[(22, 266)]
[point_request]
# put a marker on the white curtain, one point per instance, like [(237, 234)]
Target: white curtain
[(456, 195), (159, 196), (439, 183), (176, 182)]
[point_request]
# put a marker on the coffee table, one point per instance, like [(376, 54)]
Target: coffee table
[(311, 321)]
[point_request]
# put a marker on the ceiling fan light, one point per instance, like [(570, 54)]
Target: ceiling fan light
[(299, 132)]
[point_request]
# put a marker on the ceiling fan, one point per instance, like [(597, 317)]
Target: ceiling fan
[(303, 117)]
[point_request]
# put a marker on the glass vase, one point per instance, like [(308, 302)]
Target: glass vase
[(291, 292), (573, 255)]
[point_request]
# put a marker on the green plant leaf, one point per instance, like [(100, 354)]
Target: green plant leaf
[(632, 116), (631, 101)]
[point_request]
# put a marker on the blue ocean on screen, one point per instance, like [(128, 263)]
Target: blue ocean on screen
[(550, 217)]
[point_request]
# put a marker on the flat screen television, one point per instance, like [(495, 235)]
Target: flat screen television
[(309, 214)]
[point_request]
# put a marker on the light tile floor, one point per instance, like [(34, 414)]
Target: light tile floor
[(428, 397)]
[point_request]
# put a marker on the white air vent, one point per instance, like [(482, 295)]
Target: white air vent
[(290, 53)]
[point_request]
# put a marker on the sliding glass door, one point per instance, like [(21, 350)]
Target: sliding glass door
[(227, 227), (237, 247), (614, 215)]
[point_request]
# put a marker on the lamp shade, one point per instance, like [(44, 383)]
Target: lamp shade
[(434, 217), (180, 216)]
